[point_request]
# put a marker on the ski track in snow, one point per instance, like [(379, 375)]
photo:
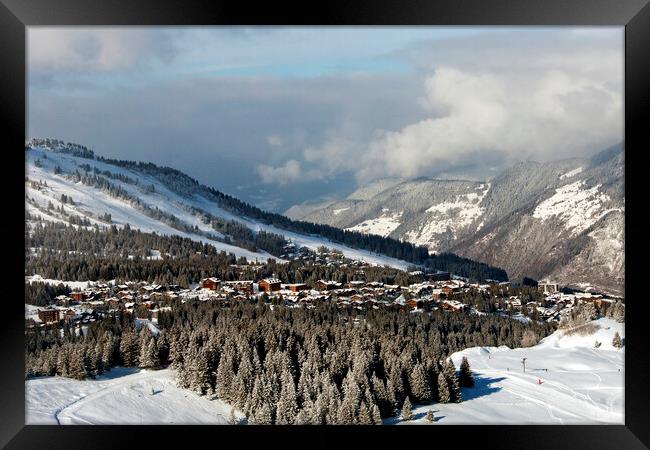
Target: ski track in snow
[(122, 396)]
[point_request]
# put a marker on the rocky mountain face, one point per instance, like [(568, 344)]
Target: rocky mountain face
[(562, 220)]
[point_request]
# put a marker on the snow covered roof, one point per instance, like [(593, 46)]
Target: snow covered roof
[(271, 280)]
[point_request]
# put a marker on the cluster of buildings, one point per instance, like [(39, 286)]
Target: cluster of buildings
[(357, 294), (439, 291)]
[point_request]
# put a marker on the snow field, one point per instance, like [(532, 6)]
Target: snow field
[(121, 396), (583, 384)]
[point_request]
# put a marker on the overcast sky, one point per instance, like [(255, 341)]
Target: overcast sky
[(278, 116)]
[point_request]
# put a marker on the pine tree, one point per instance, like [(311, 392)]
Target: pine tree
[(617, 342), (287, 407), (365, 416), (89, 362), (97, 358), (264, 415), (224, 378), (618, 311), (302, 418), (430, 417), (129, 349), (466, 379), (407, 414), (316, 414), (232, 420), (149, 354), (419, 384), (376, 414), (63, 361), (449, 371), (391, 394), (444, 395), (77, 368)]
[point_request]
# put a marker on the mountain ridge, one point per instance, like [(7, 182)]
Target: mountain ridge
[(534, 219), (83, 189)]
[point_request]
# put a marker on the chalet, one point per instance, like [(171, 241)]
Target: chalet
[(323, 285), (597, 300), (113, 302), (145, 290), (245, 286), (126, 296), (296, 287), (356, 284), (211, 283), (170, 296), (149, 304), (77, 296), (453, 305), (48, 315), (447, 290), (269, 285), (157, 296), (69, 315), (62, 300), (413, 303)]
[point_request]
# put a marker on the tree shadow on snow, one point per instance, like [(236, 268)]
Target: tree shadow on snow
[(482, 386), (422, 415)]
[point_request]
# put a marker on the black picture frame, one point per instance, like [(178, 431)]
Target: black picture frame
[(634, 15)]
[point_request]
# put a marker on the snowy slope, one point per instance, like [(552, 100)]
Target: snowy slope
[(91, 202), (382, 226), (583, 384), (121, 396)]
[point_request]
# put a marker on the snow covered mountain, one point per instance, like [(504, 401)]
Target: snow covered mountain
[(562, 219), (66, 183)]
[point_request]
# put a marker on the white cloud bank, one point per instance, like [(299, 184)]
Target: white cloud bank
[(544, 96), (534, 116), (288, 172)]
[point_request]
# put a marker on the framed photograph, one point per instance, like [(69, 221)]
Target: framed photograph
[(348, 220)]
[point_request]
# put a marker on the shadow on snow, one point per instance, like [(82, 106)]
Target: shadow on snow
[(483, 386)]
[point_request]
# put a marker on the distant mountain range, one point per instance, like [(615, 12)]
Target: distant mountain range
[(562, 220), (68, 183)]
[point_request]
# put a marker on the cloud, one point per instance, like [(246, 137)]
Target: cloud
[(531, 99), (537, 116), (82, 51), (470, 103), (284, 174), (274, 140)]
